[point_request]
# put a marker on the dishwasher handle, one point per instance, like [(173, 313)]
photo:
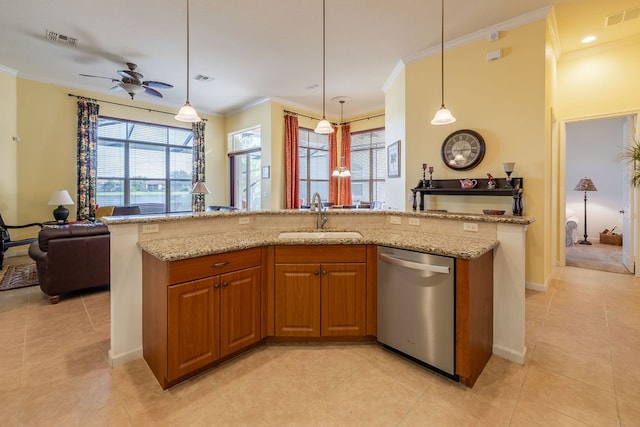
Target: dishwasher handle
[(415, 265)]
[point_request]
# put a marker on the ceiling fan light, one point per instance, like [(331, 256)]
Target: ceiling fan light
[(131, 88), (324, 127), (443, 117), (187, 114)]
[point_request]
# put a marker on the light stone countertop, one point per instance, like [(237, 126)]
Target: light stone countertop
[(178, 248)]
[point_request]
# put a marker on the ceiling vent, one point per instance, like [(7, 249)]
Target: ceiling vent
[(61, 38), (202, 78), (624, 16)]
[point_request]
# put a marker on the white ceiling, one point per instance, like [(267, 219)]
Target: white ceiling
[(257, 49)]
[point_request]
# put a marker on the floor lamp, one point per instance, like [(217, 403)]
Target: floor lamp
[(585, 184)]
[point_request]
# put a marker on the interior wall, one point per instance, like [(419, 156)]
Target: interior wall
[(8, 148), (505, 101), (46, 155), (592, 151)]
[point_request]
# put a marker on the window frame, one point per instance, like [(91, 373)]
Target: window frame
[(307, 193), (166, 148), (370, 181)]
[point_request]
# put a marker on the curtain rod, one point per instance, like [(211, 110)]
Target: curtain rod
[(345, 123), (125, 105)]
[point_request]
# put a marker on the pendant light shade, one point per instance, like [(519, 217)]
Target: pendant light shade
[(443, 115), (341, 170), (324, 127), (187, 113)]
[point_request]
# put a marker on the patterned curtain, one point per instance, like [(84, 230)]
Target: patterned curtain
[(197, 174), (345, 149), (333, 164), (87, 157), (291, 162)]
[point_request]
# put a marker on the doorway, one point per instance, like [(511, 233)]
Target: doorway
[(593, 147)]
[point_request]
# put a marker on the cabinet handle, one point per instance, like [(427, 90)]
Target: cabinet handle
[(219, 264), (225, 284), (324, 271), (216, 286), (315, 273)]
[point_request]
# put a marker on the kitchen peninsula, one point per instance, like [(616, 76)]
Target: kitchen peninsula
[(180, 237)]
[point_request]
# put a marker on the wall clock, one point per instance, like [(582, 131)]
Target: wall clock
[(463, 150)]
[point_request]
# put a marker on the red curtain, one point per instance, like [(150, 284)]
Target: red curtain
[(345, 182), (333, 164), (291, 162)]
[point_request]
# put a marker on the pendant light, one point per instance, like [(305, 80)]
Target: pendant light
[(324, 127), (187, 113), (341, 170), (443, 116)]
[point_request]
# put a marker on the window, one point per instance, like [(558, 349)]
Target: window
[(143, 164), (368, 165), (245, 158), (314, 165)]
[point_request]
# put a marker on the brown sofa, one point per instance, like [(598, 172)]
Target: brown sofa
[(71, 257)]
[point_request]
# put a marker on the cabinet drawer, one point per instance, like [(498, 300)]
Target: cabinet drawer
[(196, 268), (320, 253)]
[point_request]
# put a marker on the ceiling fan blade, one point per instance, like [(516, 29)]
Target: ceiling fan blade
[(152, 92), (158, 85), (134, 75), (99, 77), (115, 88)]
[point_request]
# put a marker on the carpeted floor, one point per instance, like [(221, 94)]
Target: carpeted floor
[(18, 276), (596, 257)]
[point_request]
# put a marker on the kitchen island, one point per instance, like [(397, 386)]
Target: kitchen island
[(177, 237)]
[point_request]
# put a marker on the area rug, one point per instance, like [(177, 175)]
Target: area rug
[(596, 257), (19, 276)]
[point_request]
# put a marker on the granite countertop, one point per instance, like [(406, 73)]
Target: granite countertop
[(178, 248)]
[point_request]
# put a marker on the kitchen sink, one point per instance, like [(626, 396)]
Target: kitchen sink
[(319, 235)]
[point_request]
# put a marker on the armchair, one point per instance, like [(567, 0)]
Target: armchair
[(6, 238), (71, 257)]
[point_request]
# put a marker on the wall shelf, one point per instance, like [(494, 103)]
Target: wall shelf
[(451, 187)]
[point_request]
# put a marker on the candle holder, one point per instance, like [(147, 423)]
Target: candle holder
[(431, 177), (508, 169), (423, 182)]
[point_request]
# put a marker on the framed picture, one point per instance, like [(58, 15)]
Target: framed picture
[(393, 160)]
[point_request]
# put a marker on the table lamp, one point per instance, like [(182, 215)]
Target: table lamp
[(200, 189), (60, 198), (585, 184)]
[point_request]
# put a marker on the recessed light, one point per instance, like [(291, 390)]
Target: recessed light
[(588, 39)]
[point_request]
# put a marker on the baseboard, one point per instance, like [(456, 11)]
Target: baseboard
[(121, 359), (537, 286), (510, 354)]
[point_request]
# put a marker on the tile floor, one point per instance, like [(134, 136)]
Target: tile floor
[(582, 366)]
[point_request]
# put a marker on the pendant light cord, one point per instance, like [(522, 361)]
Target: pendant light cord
[(324, 55), (188, 51), (442, 53)]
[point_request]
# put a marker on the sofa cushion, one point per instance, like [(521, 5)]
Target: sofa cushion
[(65, 231)]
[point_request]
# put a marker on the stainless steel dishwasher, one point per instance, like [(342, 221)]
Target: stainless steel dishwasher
[(416, 306)]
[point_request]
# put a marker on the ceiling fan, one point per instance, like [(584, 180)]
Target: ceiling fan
[(132, 83)]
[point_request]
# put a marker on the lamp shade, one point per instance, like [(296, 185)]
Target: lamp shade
[(200, 188), (60, 197), (585, 184), (443, 117), (324, 127), (188, 114)]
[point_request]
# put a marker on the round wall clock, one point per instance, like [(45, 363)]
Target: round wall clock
[(463, 150)]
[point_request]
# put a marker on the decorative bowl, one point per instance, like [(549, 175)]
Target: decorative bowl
[(492, 212)]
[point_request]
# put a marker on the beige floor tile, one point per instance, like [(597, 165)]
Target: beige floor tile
[(629, 412), (529, 414), (570, 397), (596, 371)]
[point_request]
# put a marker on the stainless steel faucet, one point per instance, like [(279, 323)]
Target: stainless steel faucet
[(316, 203)]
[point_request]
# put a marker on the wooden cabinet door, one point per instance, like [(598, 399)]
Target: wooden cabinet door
[(343, 298), (297, 306), (239, 310), (193, 333)]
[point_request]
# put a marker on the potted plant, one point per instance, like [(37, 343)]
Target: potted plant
[(631, 155)]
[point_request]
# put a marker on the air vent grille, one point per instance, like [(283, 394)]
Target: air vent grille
[(61, 38), (202, 78), (624, 16)]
